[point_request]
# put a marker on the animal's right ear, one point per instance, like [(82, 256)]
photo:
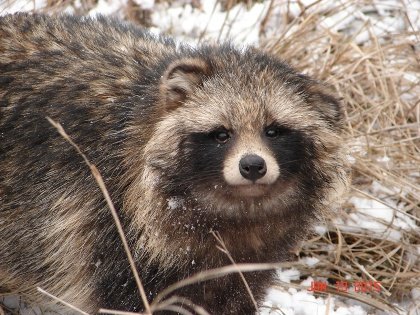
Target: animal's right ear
[(180, 79)]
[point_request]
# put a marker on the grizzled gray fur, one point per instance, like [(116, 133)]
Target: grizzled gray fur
[(188, 141)]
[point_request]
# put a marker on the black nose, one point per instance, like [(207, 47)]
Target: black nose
[(252, 167)]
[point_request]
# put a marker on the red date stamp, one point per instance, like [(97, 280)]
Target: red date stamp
[(343, 286)]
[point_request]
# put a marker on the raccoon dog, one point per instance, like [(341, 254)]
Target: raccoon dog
[(188, 141)]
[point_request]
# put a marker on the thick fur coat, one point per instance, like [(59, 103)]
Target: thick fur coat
[(188, 141)]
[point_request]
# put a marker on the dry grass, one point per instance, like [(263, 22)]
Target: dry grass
[(379, 83)]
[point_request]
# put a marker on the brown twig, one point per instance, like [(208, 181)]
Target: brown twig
[(101, 184)]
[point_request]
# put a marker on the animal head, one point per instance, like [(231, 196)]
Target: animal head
[(241, 130)]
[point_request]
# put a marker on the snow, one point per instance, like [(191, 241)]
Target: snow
[(174, 203), (320, 229), (239, 25), (11, 6), (309, 261), (376, 218), (14, 302), (145, 4), (415, 293), (107, 7), (288, 275), (302, 302)]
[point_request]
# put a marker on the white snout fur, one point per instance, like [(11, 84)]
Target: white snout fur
[(231, 171)]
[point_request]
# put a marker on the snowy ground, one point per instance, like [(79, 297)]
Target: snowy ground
[(241, 25)]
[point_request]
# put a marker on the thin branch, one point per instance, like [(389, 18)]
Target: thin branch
[(217, 273), (225, 250), (101, 184), (62, 301)]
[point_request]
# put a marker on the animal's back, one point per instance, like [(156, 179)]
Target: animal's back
[(70, 71)]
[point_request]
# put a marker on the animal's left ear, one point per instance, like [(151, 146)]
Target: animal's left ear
[(180, 79), (324, 100)]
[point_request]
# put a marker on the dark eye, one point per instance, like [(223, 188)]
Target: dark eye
[(221, 136), (274, 131)]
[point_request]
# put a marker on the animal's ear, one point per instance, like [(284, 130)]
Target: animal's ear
[(180, 79), (326, 103)]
